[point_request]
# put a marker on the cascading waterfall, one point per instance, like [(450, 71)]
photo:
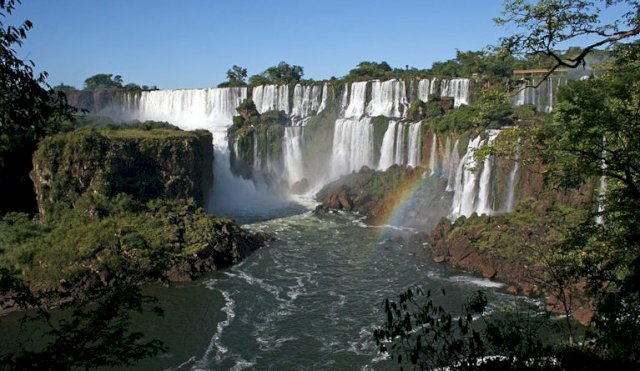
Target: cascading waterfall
[(510, 203), (271, 97), (423, 90), (452, 165), (400, 138), (444, 164), (484, 192), (413, 154), (433, 154), (458, 89), (388, 99), (352, 145), (472, 185), (190, 109), (542, 96), (306, 100), (386, 151), (357, 100), (344, 102), (433, 86), (325, 94), (465, 182), (213, 110), (256, 158), (292, 150)]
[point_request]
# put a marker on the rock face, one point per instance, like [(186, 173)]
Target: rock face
[(147, 164), (377, 194), (95, 101), (480, 244)]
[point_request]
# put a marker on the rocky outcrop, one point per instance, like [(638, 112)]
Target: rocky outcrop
[(230, 245), (378, 194), (504, 248), (146, 164)]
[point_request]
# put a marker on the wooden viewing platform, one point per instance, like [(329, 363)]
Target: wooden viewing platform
[(539, 71)]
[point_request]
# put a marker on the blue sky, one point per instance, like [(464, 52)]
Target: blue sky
[(189, 44)]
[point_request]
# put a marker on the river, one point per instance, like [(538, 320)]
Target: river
[(310, 300)]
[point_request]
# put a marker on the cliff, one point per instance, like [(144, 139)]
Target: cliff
[(146, 164)]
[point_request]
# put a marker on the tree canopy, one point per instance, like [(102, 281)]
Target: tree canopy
[(103, 81), (29, 110), (546, 26), (283, 73)]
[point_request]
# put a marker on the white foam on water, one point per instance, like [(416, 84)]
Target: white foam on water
[(215, 345), (482, 282)]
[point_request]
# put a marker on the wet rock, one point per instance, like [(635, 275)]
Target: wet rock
[(345, 202), (440, 259), (488, 272), (180, 272), (512, 290), (300, 187)]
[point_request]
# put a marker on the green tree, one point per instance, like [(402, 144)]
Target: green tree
[(103, 81), (237, 76), (370, 71), (283, 73), (29, 110), (64, 88), (96, 333), (544, 27), (132, 87)]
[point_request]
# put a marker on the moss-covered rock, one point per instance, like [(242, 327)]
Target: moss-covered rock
[(146, 164), (256, 140)]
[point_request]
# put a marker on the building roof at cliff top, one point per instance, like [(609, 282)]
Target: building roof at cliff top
[(193, 43)]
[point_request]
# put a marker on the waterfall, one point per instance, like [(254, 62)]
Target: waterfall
[(484, 191), (271, 97), (316, 98), (213, 110), (458, 89), (400, 136), (292, 150), (446, 155), (325, 93), (301, 101), (256, 158), (388, 99), (413, 155), (352, 145), (465, 183), (433, 154), (386, 151), (306, 100), (541, 97), (357, 100), (510, 203), (454, 160), (473, 185), (344, 102), (423, 90), (189, 109), (433, 86)]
